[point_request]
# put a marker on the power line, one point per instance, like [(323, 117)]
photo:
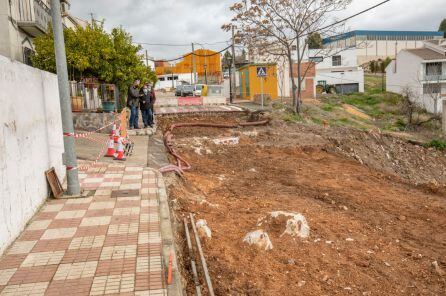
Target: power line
[(350, 17), (180, 45), (194, 54)]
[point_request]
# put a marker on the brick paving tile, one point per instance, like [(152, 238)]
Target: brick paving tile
[(127, 203), (113, 284), (81, 255), (91, 231), (91, 246), (64, 223), (21, 247), (26, 275), (99, 213), (34, 289), (127, 219), (45, 216), (29, 235), (73, 287), (5, 275), (121, 239), (12, 261), (148, 250), (116, 266), (51, 245)]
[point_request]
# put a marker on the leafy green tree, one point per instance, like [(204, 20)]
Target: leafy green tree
[(372, 66), (92, 52), (315, 41), (442, 27)]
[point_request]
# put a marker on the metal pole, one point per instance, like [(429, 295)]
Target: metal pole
[(147, 60), (261, 90), (233, 82), (194, 67), (70, 161)]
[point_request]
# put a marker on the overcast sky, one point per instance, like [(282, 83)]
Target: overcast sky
[(186, 21)]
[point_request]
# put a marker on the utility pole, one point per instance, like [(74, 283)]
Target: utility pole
[(70, 160), (147, 59), (232, 73), (194, 67)]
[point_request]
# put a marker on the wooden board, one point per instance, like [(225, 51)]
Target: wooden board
[(53, 180)]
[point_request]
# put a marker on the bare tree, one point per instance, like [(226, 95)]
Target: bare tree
[(277, 27)]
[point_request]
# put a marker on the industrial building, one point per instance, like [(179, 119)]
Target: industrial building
[(207, 67), (373, 45)]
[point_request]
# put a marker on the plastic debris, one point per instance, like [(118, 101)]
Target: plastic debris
[(203, 228), (227, 141), (295, 226), (259, 238)]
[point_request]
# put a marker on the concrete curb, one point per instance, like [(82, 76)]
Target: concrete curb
[(168, 243)]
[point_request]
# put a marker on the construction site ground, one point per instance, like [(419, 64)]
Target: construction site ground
[(375, 205)]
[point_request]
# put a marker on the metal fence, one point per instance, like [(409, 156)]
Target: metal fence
[(90, 96)]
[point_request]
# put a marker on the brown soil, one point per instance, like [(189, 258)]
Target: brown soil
[(372, 231)]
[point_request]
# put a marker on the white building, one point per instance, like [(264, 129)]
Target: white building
[(338, 67), (23, 20), (423, 71), (373, 45), (170, 81)]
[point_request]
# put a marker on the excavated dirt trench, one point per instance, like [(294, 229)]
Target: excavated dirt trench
[(372, 231)]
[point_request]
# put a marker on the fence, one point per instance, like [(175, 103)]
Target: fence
[(94, 97)]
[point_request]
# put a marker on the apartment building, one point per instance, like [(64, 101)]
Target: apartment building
[(373, 45), (23, 20), (423, 72)]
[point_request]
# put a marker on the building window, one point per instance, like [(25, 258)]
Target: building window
[(432, 88), (161, 79), (336, 61), (433, 69), (27, 54)]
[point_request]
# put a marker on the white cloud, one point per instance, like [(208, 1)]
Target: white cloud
[(186, 21)]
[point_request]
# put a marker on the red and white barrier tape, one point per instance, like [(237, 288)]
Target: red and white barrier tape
[(85, 135), (86, 167)]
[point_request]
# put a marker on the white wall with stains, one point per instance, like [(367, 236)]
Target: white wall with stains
[(31, 142)]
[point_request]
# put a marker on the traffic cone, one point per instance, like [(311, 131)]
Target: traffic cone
[(111, 148), (117, 135), (120, 152)]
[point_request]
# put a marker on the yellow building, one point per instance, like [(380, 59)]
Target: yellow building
[(251, 84), (207, 62)]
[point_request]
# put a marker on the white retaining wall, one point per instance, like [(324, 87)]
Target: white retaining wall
[(31, 142)]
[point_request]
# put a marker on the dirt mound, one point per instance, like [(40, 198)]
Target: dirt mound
[(371, 233)]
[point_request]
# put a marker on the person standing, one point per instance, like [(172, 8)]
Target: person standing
[(145, 105), (133, 103), (152, 105)]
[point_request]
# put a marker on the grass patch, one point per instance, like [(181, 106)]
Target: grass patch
[(292, 117), (437, 144)]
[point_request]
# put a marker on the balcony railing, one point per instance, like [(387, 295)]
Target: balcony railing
[(33, 16), (434, 78)]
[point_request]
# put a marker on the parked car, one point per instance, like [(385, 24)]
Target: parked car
[(199, 90), (178, 90), (187, 90)]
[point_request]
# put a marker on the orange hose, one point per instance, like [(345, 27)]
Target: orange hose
[(169, 272)]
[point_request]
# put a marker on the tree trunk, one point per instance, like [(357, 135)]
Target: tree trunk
[(299, 79), (293, 84)]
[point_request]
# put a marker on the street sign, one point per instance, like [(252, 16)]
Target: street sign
[(261, 71)]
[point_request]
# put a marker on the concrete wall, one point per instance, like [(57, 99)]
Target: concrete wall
[(31, 142)]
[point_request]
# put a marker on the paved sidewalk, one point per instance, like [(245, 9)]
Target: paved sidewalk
[(98, 245), (196, 109)]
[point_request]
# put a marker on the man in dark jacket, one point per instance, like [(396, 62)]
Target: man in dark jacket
[(133, 104), (145, 105)]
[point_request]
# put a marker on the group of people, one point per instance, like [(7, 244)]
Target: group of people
[(144, 99)]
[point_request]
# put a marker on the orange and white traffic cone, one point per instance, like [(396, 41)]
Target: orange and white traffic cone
[(120, 152), (117, 135), (111, 148)]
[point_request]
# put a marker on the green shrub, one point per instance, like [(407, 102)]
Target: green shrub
[(291, 117), (437, 144)]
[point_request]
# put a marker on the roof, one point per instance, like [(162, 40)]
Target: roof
[(382, 33), (427, 54)]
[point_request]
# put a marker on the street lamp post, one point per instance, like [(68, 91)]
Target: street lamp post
[(70, 160)]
